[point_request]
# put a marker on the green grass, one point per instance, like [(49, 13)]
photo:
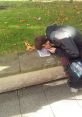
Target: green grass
[(21, 21)]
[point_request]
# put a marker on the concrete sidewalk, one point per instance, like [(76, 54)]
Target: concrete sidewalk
[(11, 64), (26, 69), (47, 100)]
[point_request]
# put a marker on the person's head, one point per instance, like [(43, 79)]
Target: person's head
[(42, 42)]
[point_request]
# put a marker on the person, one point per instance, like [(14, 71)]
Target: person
[(66, 37), (64, 41), (69, 40), (43, 42)]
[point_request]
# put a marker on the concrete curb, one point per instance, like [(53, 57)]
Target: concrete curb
[(18, 81)]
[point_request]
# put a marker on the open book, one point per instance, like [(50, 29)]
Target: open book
[(43, 52)]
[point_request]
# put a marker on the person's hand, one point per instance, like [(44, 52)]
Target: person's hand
[(52, 50)]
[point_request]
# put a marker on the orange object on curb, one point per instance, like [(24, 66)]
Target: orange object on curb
[(29, 47)]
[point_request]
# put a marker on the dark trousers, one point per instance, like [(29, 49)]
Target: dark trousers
[(72, 81)]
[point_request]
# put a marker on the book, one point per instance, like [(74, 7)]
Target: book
[(43, 52)]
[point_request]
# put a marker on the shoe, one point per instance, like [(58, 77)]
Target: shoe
[(74, 90)]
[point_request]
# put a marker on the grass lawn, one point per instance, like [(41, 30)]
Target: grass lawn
[(21, 21)]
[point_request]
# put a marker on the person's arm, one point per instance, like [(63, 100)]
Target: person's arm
[(69, 47), (57, 51), (52, 50)]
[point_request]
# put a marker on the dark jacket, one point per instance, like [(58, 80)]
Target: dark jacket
[(66, 38)]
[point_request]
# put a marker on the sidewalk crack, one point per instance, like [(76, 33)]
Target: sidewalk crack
[(19, 62), (47, 101), (19, 103)]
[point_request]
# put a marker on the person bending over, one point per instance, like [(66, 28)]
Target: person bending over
[(64, 41)]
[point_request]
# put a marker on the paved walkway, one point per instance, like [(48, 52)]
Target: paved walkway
[(47, 100)]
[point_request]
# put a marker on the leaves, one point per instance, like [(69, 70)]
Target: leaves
[(61, 18), (37, 18), (23, 20), (29, 47)]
